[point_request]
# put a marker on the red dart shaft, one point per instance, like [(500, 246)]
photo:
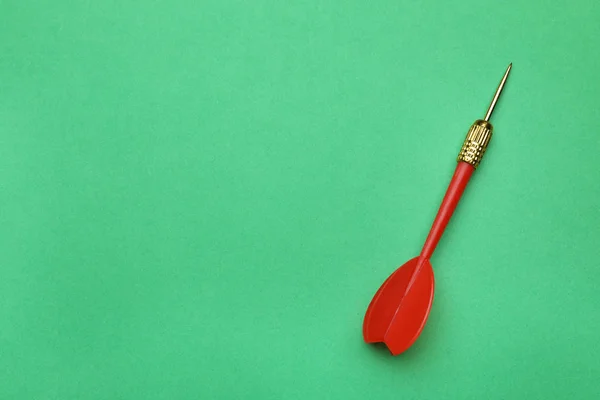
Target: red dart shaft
[(457, 186)]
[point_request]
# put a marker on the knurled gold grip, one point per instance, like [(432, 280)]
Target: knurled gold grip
[(476, 142)]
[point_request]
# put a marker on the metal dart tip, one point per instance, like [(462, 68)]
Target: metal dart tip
[(497, 94)]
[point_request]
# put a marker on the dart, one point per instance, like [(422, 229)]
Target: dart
[(398, 312)]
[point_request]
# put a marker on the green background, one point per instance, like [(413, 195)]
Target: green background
[(198, 199)]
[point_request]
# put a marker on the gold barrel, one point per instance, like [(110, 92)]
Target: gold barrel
[(476, 143)]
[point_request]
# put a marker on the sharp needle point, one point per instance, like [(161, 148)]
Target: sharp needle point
[(497, 94)]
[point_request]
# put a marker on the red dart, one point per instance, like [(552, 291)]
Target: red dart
[(399, 310)]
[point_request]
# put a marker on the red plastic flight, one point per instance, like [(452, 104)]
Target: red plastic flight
[(399, 310)]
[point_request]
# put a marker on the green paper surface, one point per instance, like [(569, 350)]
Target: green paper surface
[(198, 199)]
